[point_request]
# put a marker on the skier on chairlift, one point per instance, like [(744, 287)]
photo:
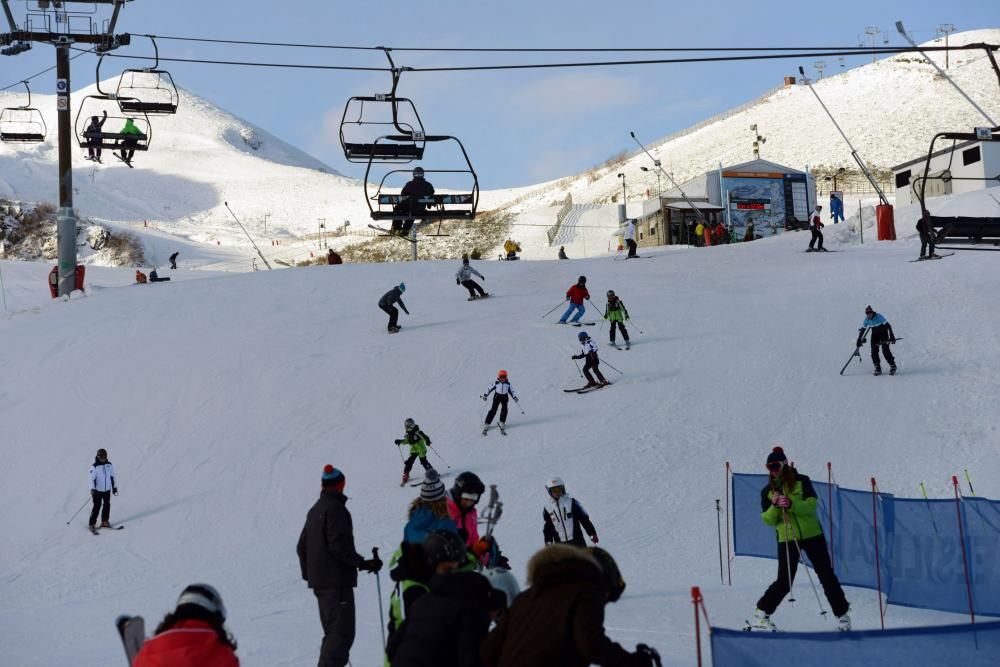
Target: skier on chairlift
[(411, 206)]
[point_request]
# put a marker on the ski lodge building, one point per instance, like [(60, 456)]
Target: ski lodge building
[(968, 159)]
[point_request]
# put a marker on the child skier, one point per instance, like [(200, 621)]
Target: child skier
[(501, 391), (882, 336), (617, 314), (589, 352), (418, 442), (102, 486), (464, 278), (575, 295)]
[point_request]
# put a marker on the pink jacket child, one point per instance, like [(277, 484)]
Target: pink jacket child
[(462, 501)]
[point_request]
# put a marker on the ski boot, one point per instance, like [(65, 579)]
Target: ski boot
[(486, 427), (761, 621), (590, 384), (892, 369), (501, 425), (844, 623), (406, 478), (877, 371), (628, 345), (105, 524)]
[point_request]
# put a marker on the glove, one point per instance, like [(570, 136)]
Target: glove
[(114, 490), (859, 342), (784, 502), (94, 492), (398, 442), (481, 547), (593, 538), (647, 656), (516, 400), (626, 318), (372, 565), (484, 397), (484, 277), (892, 341)]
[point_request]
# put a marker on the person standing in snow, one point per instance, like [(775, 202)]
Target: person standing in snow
[(387, 304), (173, 260), (429, 512), (564, 518), (418, 442), (815, 225), (576, 295), (836, 208), (617, 314), (330, 565), (562, 252), (882, 336), (630, 238), (102, 486), (926, 240), (788, 504), (194, 632), (411, 205), (502, 391), (462, 500), (464, 278), (589, 352)]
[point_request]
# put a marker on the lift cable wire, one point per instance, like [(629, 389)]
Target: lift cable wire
[(46, 70)]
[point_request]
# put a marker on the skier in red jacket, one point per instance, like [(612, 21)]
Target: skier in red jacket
[(575, 295), (192, 634)]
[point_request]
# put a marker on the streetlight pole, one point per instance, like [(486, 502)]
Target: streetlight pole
[(872, 31), (624, 195), (947, 29), (322, 226)]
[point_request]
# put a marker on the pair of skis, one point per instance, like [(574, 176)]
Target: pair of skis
[(586, 389), (97, 531), (389, 232), (923, 259), (503, 428)]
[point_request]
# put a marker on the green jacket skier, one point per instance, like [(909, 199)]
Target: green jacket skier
[(418, 442), (616, 313)]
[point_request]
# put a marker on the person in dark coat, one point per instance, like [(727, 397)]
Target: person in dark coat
[(333, 257), (330, 564), (387, 304), (559, 620), (173, 260), (926, 240), (562, 252), (882, 337), (448, 623), (411, 206), (92, 134), (815, 225)]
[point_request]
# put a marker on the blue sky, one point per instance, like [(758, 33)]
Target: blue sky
[(519, 127)]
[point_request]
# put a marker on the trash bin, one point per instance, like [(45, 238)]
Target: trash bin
[(886, 223), (81, 273)]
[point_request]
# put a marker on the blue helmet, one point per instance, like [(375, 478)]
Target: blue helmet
[(583, 335), (402, 287)]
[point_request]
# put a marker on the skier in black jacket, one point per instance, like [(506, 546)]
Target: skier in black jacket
[(411, 206), (330, 564), (386, 304)]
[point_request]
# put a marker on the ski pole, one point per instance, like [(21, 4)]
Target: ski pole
[(400, 453), (929, 512), (78, 511), (578, 368), (788, 558), (966, 470), (439, 456), (553, 310), (612, 368), (822, 612), (637, 326), (378, 586), (718, 524)]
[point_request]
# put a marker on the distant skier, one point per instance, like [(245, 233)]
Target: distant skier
[(589, 352), (564, 519), (502, 392), (93, 134), (926, 240), (749, 235), (511, 248), (562, 252), (463, 277), (194, 632), (815, 225), (576, 295), (333, 258), (130, 139), (836, 208), (881, 333), (630, 238), (411, 206), (386, 303), (173, 260), (418, 443), (788, 504), (140, 277), (617, 314), (154, 277), (102, 486)]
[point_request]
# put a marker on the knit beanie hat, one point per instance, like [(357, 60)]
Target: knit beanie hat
[(332, 476), (777, 455), (432, 488)]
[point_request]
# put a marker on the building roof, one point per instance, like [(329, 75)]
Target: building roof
[(943, 151), (762, 166), (700, 205)]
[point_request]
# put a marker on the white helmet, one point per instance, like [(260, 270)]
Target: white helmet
[(553, 482), (503, 581)]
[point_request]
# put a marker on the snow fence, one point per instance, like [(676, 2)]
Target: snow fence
[(921, 562)]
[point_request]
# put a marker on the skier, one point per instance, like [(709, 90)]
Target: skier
[(589, 352), (102, 486), (429, 512), (418, 442), (501, 391), (926, 240), (564, 518), (386, 303), (575, 295), (617, 314), (194, 633), (630, 238), (788, 504), (562, 252), (93, 136), (330, 565), (414, 190), (333, 258), (173, 260), (130, 139), (463, 277), (881, 332), (511, 248), (816, 224), (462, 500)]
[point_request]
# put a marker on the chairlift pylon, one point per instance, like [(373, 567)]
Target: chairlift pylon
[(148, 90), (402, 148), (109, 139), (22, 125)]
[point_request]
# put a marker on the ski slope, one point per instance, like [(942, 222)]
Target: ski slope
[(219, 399)]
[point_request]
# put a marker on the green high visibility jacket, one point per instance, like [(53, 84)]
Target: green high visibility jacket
[(799, 521)]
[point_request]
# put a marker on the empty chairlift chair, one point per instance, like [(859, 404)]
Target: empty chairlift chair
[(22, 125), (149, 90)]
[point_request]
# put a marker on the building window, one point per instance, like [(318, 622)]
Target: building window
[(971, 156), (652, 230), (640, 236), (902, 179)]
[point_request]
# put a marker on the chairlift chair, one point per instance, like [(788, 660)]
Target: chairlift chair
[(22, 125), (149, 90), (110, 139)]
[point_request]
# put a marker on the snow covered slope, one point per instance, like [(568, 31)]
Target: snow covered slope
[(220, 399)]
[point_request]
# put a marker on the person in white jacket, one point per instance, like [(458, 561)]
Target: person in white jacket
[(102, 486), (463, 277), (502, 391), (630, 238)]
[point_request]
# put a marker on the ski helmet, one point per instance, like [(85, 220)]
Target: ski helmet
[(554, 483), (409, 424), (202, 598), (418, 172), (609, 572), (468, 486), (583, 335), (443, 545), (582, 280), (611, 293), (402, 287), (102, 453), (503, 581), (502, 374)]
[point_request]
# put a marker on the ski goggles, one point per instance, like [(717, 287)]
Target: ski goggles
[(474, 497), (775, 466)]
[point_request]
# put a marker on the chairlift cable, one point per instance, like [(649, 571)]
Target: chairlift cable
[(45, 71)]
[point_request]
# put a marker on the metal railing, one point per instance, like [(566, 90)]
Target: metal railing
[(567, 206)]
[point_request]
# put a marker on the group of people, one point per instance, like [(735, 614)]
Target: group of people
[(127, 139), (154, 277)]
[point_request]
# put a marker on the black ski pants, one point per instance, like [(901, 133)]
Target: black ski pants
[(591, 365), (100, 497), (128, 148), (499, 401), (817, 236), (393, 314), (926, 243), (408, 465), (620, 325), (884, 344), (815, 548), (403, 226), (336, 613), (473, 288), (631, 248)]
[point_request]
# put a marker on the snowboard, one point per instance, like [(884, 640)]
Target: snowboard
[(132, 630), (477, 298)]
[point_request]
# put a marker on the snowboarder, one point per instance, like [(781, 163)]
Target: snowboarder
[(882, 335), (332, 257), (140, 277), (411, 206), (463, 277), (788, 504), (562, 252), (194, 632), (130, 139), (102, 486), (330, 565), (617, 314), (173, 260), (589, 352), (630, 238), (502, 391), (564, 518), (418, 442), (926, 240), (511, 248), (815, 225), (462, 500), (386, 303), (155, 278), (93, 136), (429, 512), (575, 295)]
